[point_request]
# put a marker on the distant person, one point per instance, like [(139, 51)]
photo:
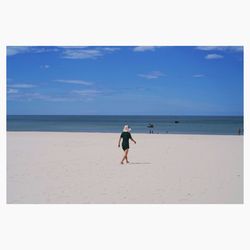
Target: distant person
[(239, 131), (125, 135)]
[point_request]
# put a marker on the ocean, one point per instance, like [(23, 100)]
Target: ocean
[(218, 125)]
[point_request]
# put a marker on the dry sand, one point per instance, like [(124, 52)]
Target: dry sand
[(55, 167)]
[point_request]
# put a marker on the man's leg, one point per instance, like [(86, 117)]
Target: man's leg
[(126, 155)]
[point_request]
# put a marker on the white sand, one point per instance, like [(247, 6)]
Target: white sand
[(48, 167)]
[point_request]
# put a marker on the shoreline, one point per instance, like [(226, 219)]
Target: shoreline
[(139, 133)]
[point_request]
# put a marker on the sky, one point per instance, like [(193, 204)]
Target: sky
[(125, 80)]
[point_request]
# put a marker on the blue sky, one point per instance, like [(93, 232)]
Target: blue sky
[(121, 80)]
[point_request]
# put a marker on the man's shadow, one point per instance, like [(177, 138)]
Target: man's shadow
[(137, 163)]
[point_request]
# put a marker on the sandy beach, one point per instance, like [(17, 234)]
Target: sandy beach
[(57, 167)]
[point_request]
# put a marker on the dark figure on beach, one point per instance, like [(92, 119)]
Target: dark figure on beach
[(239, 131), (150, 125), (125, 136)]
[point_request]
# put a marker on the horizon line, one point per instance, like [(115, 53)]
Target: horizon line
[(119, 115)]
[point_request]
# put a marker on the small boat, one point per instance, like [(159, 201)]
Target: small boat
[(176, 121)]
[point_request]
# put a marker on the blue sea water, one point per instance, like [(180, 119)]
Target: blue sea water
[(227, 125)]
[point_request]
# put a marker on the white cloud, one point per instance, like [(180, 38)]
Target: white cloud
[(152, 75), (14, 50), (86, 93), (208, 48), (144, 48), (45, 66), (81, 54), (26, 96), (12, 91), (81, 82), (221, 48), (69, 52), (213, 56), (87, 52), (24, 86), (198, 75), (37, 96), (237, 48), (72, 47), (111, 49), (34, 96)]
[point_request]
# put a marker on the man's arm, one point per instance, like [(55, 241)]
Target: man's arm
[(130, 137), (133, 140)]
